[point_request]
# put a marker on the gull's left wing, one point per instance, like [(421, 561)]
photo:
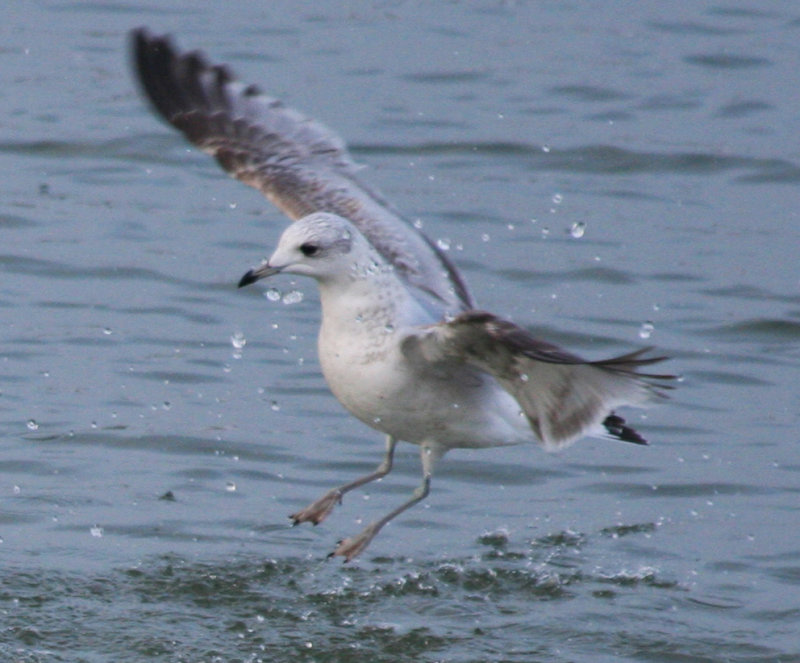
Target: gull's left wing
[(299, 164)]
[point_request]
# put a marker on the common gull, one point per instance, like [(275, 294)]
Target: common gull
[(401, 344)]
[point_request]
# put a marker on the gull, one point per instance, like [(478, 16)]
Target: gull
[(401, 344)]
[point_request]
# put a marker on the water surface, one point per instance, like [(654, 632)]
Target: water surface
[(148, 459)]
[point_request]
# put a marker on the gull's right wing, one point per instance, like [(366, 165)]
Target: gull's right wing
[(296, 162), (563, 396)]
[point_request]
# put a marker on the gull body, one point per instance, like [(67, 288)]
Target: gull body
[(368, 314), (401, 343), (473, 381)]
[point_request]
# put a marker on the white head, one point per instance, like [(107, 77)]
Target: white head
[(321, 245)]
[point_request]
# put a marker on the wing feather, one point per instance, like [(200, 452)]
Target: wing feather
[(299, 164)]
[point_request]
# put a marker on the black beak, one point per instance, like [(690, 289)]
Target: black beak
[(258, 273), (248, 278)]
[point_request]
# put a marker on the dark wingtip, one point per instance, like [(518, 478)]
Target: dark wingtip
[(616, 427), (248, 278)]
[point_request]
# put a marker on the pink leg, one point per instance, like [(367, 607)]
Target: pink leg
[(352, 546), (317, 511)]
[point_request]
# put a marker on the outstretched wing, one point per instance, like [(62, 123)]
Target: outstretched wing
[(562, 395), (296, 162)]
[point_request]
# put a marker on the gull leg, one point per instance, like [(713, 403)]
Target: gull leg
[(352, 546), (317, 511)]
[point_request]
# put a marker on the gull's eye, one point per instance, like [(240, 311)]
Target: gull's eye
[(308, 249)]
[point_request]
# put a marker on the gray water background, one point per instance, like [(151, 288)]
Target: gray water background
[(667, 131)]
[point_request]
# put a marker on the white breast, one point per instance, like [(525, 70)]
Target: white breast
[(360, 351)]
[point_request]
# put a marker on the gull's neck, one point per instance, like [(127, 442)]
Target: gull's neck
[(367, 296)]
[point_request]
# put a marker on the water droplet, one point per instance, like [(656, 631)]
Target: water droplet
[(232, 205), (108, 331), (545, 232), (238, 341), (96, 531), (273, 294), (578, 229), (443, 243), (389, 328), (230, 486), (293, 297), (16, 490), (485, 237), (371, 268), (274, 406), (524, 377), (557, 198), (418, 224), (166, 405), (32, 425), (646, 330)]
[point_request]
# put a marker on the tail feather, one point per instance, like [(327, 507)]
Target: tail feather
[(617, 428)]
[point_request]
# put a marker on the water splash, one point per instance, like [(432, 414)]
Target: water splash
[(292, 297)]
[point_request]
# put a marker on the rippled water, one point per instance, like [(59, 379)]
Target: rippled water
[(612, 174)]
